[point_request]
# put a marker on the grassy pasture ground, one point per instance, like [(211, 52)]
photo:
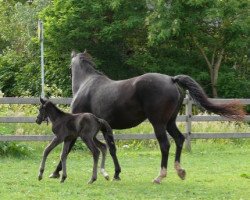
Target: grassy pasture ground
[(215, 170)]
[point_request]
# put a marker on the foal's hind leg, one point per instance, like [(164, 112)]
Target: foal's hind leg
[(160, 132), (179, 140), (103, 149), (64, 154), (56, 173), (95, 151)]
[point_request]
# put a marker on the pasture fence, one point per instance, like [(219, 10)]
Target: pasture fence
[(188, 118)]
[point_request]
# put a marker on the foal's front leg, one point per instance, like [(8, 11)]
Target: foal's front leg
[(63, 159), (46, 152)]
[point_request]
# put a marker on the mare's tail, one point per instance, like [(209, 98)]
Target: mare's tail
[(233, 110)]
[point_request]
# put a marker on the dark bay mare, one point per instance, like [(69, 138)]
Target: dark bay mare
[(67, 128), (127, 103)]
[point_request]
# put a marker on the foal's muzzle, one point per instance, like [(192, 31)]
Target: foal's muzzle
[(39, 121)]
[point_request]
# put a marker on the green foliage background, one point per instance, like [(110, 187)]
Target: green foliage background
[(125, 38)]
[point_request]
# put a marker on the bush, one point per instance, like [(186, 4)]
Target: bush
[(14, 149)]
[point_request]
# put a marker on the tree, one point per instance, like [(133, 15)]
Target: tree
[(217, 29), (110, 30), (19, 51)]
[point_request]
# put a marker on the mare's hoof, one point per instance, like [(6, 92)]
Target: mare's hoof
[(54, 175), (40, 177), (181, 173), (91, 181), (116, 178)]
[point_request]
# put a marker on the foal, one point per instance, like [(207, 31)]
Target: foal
[(67, 127)]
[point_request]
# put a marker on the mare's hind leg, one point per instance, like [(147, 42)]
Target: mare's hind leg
[(95, 151), (109, 138), (103, 149), (56, 173), (179, 140), (160, 132)]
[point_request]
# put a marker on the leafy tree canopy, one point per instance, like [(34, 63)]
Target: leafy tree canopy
[(206, 39)]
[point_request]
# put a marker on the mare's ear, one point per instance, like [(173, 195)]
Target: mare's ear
[(73, 54), (87, 55), (43, 101)]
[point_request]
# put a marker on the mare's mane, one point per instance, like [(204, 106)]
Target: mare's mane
[(86, 57)]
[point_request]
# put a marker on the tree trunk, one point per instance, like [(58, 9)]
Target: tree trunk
[(215, 72), (214, 82), (213, 65)]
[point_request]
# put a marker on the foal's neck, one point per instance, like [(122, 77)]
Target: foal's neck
[(54, 113)]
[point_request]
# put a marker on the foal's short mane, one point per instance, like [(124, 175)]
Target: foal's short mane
[(49, 105)]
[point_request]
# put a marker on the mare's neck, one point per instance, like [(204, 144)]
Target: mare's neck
[(54, 113), (82, 71)]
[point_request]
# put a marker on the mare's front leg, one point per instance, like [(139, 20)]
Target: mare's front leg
[(64, 154), (46, 152), (160, 132), (56, 173)]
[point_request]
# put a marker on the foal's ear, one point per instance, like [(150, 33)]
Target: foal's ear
[(42, 100), (73, 54)]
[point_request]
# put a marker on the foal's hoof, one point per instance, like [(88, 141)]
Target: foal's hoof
[(156, 181), (181, 173), (63, 178), (40, 177), (55, 175), (106, 177)]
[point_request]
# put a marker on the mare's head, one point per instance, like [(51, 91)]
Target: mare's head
[(82, 68), (42, 115), (81, 60)]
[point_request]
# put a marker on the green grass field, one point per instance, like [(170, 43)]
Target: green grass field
[(215, 170)]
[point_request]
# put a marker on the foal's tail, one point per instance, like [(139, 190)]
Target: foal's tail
[(106, 129), (233, 110)]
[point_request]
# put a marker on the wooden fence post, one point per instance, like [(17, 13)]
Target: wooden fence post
[(188, 113)]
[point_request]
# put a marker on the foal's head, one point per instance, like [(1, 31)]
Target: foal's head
[(42, 115)]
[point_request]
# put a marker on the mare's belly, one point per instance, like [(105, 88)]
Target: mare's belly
[(124, 123), (123, 117)]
